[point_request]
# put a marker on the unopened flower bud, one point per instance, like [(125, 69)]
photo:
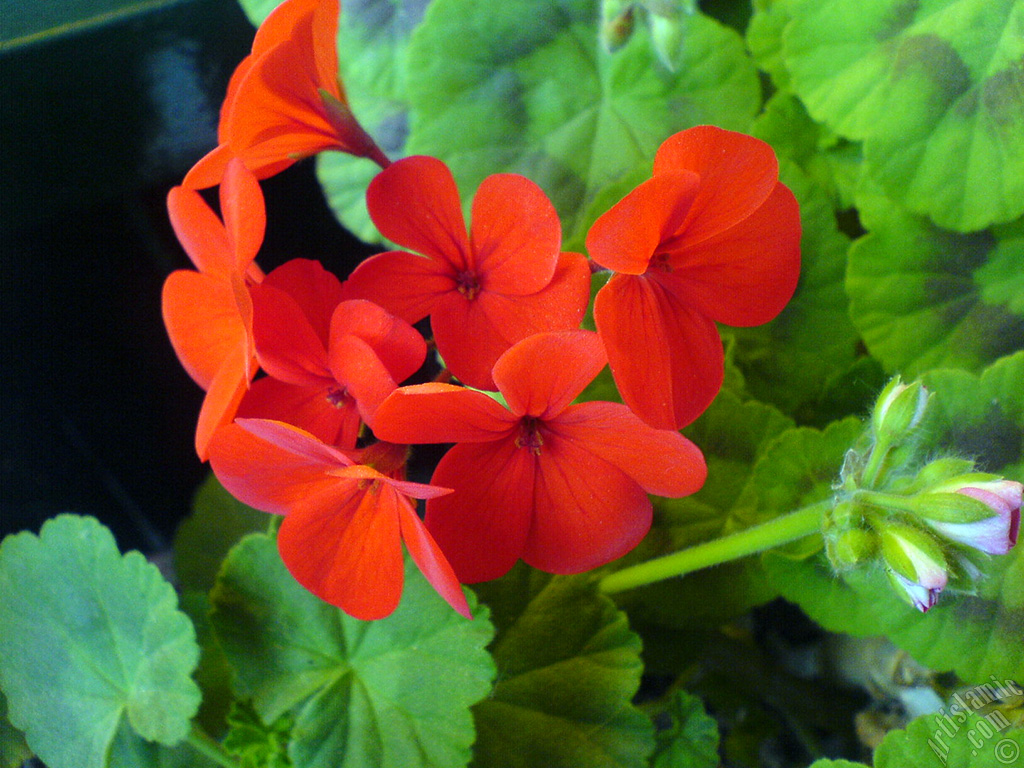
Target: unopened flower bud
[(915, 564), (850, 548), (976, 511), (898, 410), (618, 17)]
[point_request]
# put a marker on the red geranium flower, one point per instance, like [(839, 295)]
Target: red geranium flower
[(329, 362), (564, 487), (285, 101), (713, 236), (503, 282), (208, 314), (344, 523)]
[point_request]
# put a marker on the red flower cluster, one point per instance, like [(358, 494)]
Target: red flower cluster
[(322, 436)]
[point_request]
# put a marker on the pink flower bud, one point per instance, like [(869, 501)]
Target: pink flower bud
[(920, 596), (995, 533), (915, 565)]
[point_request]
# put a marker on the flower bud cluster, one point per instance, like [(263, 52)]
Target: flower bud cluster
[(928, 529)]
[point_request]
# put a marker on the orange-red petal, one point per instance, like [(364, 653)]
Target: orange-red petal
[(343, 544), (245, 216), (202, 322), (222, 398), (314, 289), (399, 346), (586, 511), (200, 232), (666, 358), (661, 461), (287, 346), (515, 234), (737, 173), (746, 274), (540, 375), (404, 284), (483, 526), (441, 413), (305, 407), (430, 559), (355, 364), (414, 202), (628, 235)]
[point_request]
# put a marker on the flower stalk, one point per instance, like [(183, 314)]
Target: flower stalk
[(781, 530)]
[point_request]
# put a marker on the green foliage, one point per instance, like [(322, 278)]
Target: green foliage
[(921, 82), (13, 749), (924, 297), (95, 658), (691, 739), (24, 23), (256, 744), (527, 87), (953, 739), (568, 668), (394, 692)]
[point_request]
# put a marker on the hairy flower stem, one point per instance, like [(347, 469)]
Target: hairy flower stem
[(781, 530), (201, 742)]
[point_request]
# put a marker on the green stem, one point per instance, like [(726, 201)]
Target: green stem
[(876, 462), (781, 530), (886, 501), (202, 743)]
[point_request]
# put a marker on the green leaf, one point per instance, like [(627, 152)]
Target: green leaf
[(692, 739), (13, 749), (92, 640), (568, 668), (218, 521), (393, 693), (525, 86), (826, 763), (934, 88), (973, 635), (962, 739), (373, 38), (256, 744), (924, 297), (764, 39)]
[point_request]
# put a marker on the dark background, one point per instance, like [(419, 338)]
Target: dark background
[(96, 414)]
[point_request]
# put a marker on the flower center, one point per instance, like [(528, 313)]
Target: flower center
[(339, 398), (468, 284), (529, 435), (660, 262)]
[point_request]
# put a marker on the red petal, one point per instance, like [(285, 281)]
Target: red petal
[(662, 461), (746, 274), (210, 169), (398, 345), (430, 560), (472, 335), (304, 407), (222, 399), (482, 526), (737, 173), (245, 219), (516, 235), (629, 234), (314, 289), (587, 512), (286, 344), (296, 441), (202, 322), (666, 358), (200, 232), (355, 365), (344, 545), (404, 284), (263, 475), (415, 203), (441, 413), (542, 374), (280, 24)]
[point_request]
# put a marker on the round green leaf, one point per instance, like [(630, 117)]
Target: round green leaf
[(691, 741), (935, 88), (95, 658), (392, 693), (526, 86), (568, 668), (955, 739), (924, 297)]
